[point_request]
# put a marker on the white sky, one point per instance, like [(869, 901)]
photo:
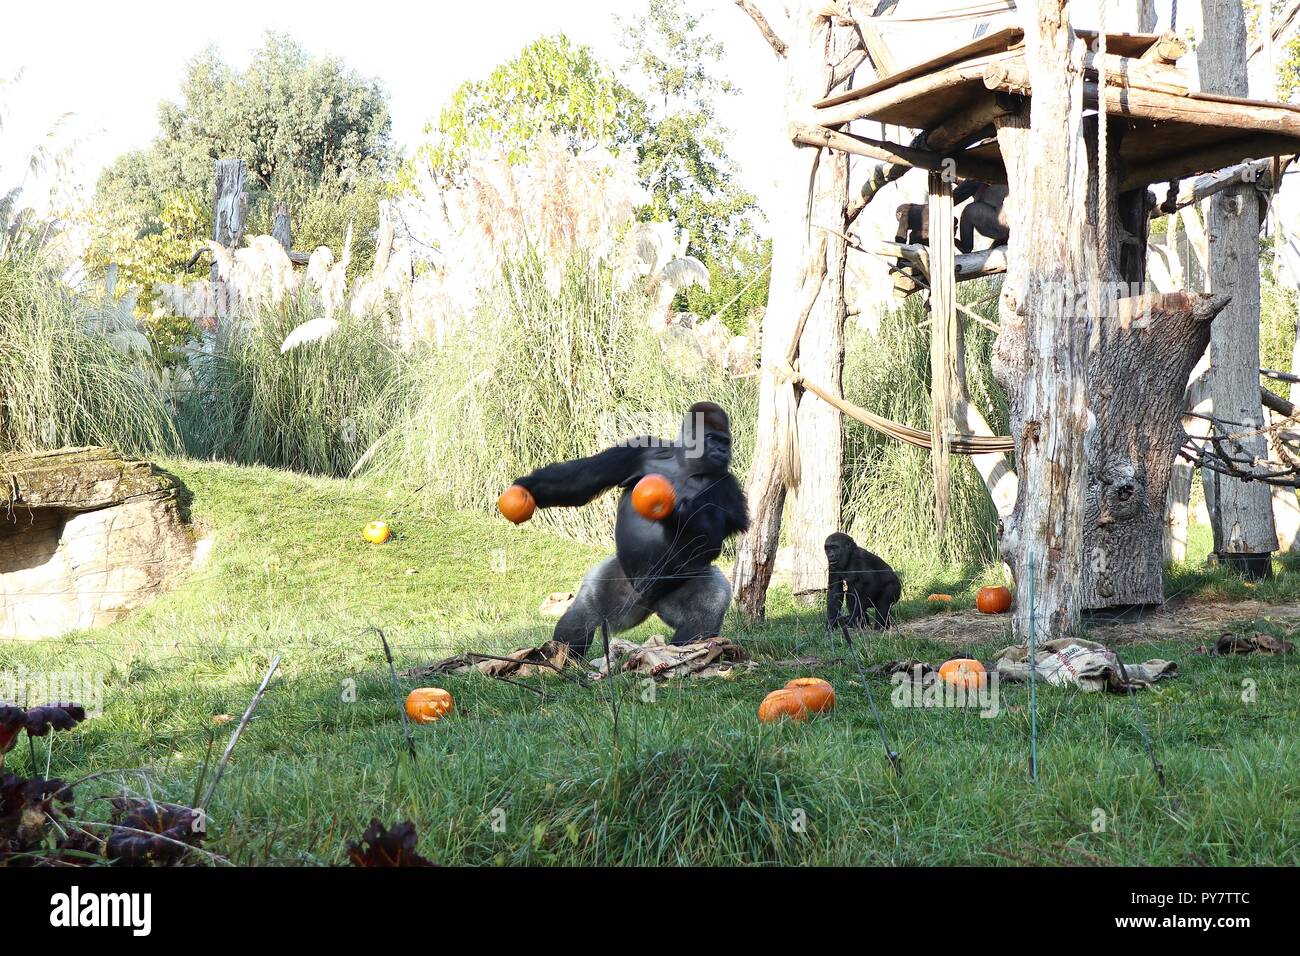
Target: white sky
[(111, 63)]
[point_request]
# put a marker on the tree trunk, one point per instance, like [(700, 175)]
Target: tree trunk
[(1243, 510), (282, 227), (1138, 377), (1041, 352), (808, 68), (815, 503), (230, 207)]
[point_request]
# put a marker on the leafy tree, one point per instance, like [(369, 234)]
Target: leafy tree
[(313, 133), (683, 156), (552, 85)]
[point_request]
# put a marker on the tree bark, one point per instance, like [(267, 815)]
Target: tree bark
[(282, 226), (1138, 377), (810, 176), (1041, 353), (1243, 510), (815, 503), (230, 206)]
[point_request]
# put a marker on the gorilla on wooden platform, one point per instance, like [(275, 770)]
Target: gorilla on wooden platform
[(662, 567), (861, 578)]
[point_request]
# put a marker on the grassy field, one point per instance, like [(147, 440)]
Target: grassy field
[(516, 778)]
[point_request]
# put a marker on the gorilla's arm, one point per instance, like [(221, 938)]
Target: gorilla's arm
[(834, 597), (568, 484), (964, 190)]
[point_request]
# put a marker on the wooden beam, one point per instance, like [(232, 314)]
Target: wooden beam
[(967, 168), (1193, 109), (924, 85), (1213, 157), (1170, 48), (1139, 74), (1194, 191), (954, 132), (779, 46)]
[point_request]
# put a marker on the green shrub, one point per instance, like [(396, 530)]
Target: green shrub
[(315, 409)]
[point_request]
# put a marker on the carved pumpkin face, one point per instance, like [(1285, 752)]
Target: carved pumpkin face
[(517, 504), (963, 672), (654, 498), (994, 600), (818, 694), (376, 532), (424, 705)]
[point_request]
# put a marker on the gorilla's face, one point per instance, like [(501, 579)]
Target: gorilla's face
[(837, 552), (717, 451)]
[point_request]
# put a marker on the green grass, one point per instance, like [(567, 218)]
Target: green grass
[(692, 777)]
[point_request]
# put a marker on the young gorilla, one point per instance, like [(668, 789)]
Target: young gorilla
[(866, 581), (984, 215), (663, 567)]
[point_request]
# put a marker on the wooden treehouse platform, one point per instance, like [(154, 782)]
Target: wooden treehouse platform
[(1167, 131)]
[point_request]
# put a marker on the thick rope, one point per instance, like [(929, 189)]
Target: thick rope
[(960, 443)]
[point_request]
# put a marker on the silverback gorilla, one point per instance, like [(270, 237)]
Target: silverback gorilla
[(864, 579), (663, 567)]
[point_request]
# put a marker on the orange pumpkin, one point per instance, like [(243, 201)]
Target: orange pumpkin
[(376, 532), (940, 598), (993, 600), (962, 672), (818, 694), (786, 702), (424, 705), (654, 498), (517, 504)]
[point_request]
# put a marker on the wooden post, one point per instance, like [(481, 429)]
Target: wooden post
[(230, 207), (1244, 529), (944, 387), (816, 505), (282, 226), (808, 57), (1041, 353)]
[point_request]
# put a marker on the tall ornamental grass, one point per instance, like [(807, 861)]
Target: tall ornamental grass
[(889, 486), (61, 381), (551, 371), (316, 408)]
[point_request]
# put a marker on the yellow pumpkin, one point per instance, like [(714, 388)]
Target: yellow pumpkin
[(517, 504), (654, 498), (962, 672), (377, 532), (424, 705), (818, 694)]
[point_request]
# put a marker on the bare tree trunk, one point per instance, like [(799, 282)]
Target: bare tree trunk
[(282, 226), (806, 57), (230, 207), (1244, 530), (1182, 473), (815, 503), (1041, 352)]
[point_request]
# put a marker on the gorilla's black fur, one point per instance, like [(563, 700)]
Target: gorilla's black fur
[(661, 567), (861, 578)]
